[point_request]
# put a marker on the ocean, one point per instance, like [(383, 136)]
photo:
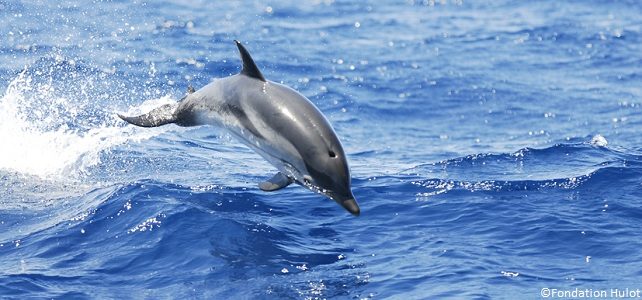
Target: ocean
[(495, 151)]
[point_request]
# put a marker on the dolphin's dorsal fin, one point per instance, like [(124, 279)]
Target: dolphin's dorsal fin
[(249, 67), (277, 182)]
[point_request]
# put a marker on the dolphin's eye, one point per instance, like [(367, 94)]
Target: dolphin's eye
[(332, 154)]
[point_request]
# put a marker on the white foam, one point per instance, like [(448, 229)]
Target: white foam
[(33, 146), (599, 140)]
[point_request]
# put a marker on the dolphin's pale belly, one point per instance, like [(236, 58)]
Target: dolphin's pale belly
[(272, 154)]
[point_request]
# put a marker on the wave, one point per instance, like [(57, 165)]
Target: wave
[(564, 166), (148, 227)]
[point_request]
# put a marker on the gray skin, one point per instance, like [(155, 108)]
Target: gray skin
[(275, 121)]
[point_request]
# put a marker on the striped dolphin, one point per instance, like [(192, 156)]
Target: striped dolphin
[(275, 121)]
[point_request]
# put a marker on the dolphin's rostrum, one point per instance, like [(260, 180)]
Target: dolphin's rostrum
[(277, 122)]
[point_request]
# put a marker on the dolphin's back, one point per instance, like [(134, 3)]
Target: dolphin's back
[(279, 110)]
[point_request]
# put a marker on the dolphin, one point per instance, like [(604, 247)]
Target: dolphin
[(275, 121)]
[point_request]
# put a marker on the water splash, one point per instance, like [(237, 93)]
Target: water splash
[(43, 136), (599, 141)]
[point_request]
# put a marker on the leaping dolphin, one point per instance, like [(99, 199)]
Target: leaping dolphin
[(275, 121)]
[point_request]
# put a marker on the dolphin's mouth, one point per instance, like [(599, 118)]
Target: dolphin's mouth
[(348, 202), (350, 205)]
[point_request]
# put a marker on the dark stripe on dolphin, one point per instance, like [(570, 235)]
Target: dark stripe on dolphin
[(242, 117)]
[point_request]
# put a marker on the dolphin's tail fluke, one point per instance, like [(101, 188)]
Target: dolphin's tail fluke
[(157, 117)]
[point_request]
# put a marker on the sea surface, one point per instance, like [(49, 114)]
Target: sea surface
[(495, 149)]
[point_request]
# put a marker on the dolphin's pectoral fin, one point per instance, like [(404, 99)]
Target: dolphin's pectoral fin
[(277, 182), (158, 116)]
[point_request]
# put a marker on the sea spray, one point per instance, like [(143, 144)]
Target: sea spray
[(41, 137)]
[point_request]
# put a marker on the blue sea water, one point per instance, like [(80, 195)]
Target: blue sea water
[(495, 148)]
